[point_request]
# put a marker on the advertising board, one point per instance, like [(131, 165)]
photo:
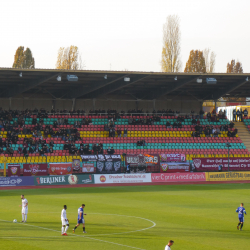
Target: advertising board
[(228, 176), (16, 181), (122, 178), (13, 170), (178, 177)]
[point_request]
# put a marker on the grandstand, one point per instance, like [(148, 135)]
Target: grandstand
[(39, 89)]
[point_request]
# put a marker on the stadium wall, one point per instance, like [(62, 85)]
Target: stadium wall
[(182, 103)]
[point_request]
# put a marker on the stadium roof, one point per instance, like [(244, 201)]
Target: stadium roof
[(139, 85)]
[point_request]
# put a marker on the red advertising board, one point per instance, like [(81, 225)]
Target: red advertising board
[(212, 164), (60, 168), (178, 177), (35, 169), (173, 157), (88, 167), (174, 167), (13, 170)]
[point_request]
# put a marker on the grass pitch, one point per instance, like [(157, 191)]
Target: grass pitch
[(132, 217)]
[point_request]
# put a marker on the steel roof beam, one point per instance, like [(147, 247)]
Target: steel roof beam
[(120, 85), (81, 91), (175, 86), (229, 89), (21, 89)]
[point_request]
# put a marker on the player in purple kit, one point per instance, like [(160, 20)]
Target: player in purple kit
[(241, 211), (80, 219)]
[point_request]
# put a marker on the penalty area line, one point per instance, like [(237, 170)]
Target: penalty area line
[(109, 242)]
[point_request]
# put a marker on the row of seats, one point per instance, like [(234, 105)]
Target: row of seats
[(55, 159)]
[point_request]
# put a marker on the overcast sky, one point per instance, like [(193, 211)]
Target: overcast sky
[(119, 35)]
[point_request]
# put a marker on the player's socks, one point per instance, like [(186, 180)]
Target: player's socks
[(241, 226), (83, 229), (66, 229), (25, 217), (22, 217), (62, 230)]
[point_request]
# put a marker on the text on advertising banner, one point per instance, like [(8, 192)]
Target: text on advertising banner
[(60, 168), (122, 178), (174, 167), (178, 177), (13, 170), (88, 167), (228, 176), (212, 164), (16, 181), (101, 157), (35, 169), (135, 160), (173, 157), (64, 180)]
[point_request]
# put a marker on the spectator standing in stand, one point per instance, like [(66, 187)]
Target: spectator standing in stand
[(125, 132), (245, 113), (238, 115)]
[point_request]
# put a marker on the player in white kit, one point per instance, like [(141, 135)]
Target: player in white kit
[(65, 221), (24, 208)]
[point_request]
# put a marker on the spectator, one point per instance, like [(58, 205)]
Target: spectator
[(109, 151), (125, 132), (119, 132), (245, 113), (239, 113)]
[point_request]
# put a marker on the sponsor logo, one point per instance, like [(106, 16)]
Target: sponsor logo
[(72, 179), (34, 169), (197, 162), (51, 180), (13, 170), (102, 178), (164, 166)]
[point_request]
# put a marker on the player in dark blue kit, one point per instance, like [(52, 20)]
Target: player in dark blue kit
[(241, 211), (80, 219)]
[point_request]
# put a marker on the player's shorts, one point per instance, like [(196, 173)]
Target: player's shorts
[(241, 219), (64, 223), (24, 210), (81, 221)]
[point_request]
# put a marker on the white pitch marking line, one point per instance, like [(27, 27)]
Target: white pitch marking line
[(154, 224), (78, 235)]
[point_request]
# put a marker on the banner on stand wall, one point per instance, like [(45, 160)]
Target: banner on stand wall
[(212, 164), (14, 170), (173, 157), (135, 160), (174, 167), (76, 166), (122, 178), (108, 167), (101, 157), (35, 169), (88, 167), (60, 168)]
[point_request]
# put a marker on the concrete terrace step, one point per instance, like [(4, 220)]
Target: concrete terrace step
[(243, 133)]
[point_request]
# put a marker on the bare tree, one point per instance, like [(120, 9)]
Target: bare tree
[(170, 61), (209, 60)]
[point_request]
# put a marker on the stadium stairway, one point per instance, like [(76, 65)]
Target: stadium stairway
[(243, 133)]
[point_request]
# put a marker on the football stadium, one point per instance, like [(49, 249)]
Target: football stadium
[(137, 158)]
